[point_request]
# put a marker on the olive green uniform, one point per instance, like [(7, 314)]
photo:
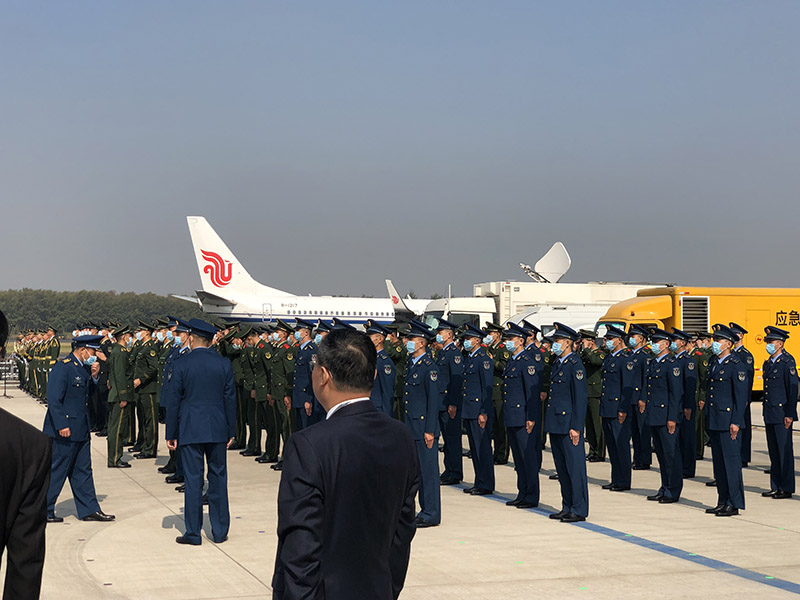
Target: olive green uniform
[(232, 353), (120, 381), (136, 422), (398, 354), (282, 378), (701, 359), (146, 371), (500, 357), (593, 361)]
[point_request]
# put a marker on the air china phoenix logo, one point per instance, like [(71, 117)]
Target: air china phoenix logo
[(218, 269), (395, 300)]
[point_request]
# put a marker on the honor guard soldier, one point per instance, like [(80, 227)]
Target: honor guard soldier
[(201, 423), (52, 349), (592, 358), (450, 363), (521, 402), (264, 416), (282, 382), (180, 349), (253, 443), (664, 398), (702, 359), (532, 348), (382, 394), (67, 424), (307, 409), (727, 397), (230, 347), (145, 383), (396, 351), (640, 432), (422, 400), (495, 349), (120, 395), (780, 412), (477, 410), (272, 444), (686, 426), (743, 354), (615, 408), (564, 420)]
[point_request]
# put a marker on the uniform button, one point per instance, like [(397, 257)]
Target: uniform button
[(422, 417), (781, 404), (662, 406), (728, 409), (563, 413)]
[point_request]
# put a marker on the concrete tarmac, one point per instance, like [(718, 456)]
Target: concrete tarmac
[(628, 548)]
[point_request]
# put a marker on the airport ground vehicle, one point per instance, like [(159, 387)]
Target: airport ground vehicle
[(694, 309)]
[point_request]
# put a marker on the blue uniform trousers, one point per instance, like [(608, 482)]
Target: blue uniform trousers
[(747, 435), (727, 456), (193, 457), (430, 499), (669, 460), (300, 419), (523, 451), (480, 445), (571, 468), (618, 443), (451, 435), (687, 439), (73, 460), (642, 451), (781, 458)]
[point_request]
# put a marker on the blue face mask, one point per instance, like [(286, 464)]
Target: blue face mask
[(170, 336), (770, 348), (129, 343), (673, 346), (439, 338), (655, 347), (468, 345), (317, 339), (90, 360), (411, 347), (510, 346), (632, 342), (139, 335), (160, 336), (177, 340), (610, 345), (297, 335), (488, 340), (557, 348), (716, 348)]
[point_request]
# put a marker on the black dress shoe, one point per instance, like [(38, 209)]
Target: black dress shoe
[(608, 486), (422, 523), (501, 461), (167, 469), (513, 502), (665, 500), (768, 471), (770, 494), (468, 490), (480, 492), (559, 515), (554, 476), (685, 476), (102, 434), (265, 460), (120, 465), (250, 453), (727, 511), (712, 483), (745, 464), (527, 505), (235, 446), (640, 467), (572, 518), (181, 488), (99, 516), (449, 481), (715, 510), (467, 454), (619, 488), (278, 466), (655, 497), (596, 459), (134, 449), (143, 455), (173, 479), (782, 495), (182, 540), (205, 499), (55, 519)]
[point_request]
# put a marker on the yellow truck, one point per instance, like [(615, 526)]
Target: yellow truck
[(694, 309)]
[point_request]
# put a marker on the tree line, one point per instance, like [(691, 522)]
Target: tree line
[(38, 309)]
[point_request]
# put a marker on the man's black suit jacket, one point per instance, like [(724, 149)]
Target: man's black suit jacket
[(25, 462), (346, 508)]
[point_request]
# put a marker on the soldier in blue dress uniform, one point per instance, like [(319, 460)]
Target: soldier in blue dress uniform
[(564, 420), (307, 410), (724, 409), (640, 432), (615, 408), (477, 410), (687, 438), (67, 424), (780, 412), (664, 399), (521, 387), (421, 402), (382, 394), (450, 363), (744, 355)]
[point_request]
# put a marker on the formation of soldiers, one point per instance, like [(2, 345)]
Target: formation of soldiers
[(630, 393)]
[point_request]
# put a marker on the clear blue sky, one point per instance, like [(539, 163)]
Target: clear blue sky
[(334, 144)]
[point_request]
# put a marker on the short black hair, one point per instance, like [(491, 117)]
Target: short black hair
[(350, 357)]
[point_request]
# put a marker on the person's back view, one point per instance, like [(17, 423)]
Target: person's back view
[(346, 501), (25, 456)]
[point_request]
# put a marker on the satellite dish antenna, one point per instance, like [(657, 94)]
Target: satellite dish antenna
[(551, 267)]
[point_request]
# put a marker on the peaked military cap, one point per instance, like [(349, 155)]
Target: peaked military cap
[(724, 332), (282, 325), (773, 333), (122, 330), (181, 326), (323, 326), (636, 329), (679, 334), (51, 328), (614, 332), (561, 331), (737, 329), (419, 329), (489, 327), (339, 324), (303, 324), (443, 324), (514, 330), (657, 334), (530, 327), (88, 341), (472, 331), (374, 327), (587, 334), (201, 328)]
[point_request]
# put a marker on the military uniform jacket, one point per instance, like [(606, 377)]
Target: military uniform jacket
[(147, 367), (727, 393), (689, 374), (382, 394), (67, 400), (478, 380), (780, 389), (421, 397), (593, 359), (522, 383), (743, 354), (398, 354), (568, 398), (664, 391), (261, 356), (639, 359), (302, 391), (52, 351), (702, 359), (500, 357), (120, 374), (450, 363), (169, 366), (232, 353), (248, 376), (282, 373), (616, 388)]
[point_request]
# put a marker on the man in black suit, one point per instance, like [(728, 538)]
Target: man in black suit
[(346, 499), (25, 457)]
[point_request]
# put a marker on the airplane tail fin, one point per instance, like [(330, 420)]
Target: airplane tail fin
[(220, 271), (400, 307)]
